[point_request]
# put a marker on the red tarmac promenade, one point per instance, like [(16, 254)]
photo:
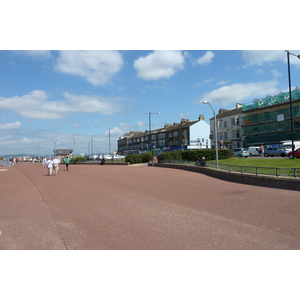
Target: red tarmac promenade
[(139, 207)]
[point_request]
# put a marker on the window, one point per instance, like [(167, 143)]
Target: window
[(266, 116), (184, 132), (233, 136), (235, 121), (225, 124), (237, 133), (220, 136)]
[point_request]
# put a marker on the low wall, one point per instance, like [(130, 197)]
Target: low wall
[(98, 163), (258, 180)]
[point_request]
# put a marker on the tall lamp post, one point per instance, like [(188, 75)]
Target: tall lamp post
[(55, 141), (291, 107), (215, 132), (151, 144), (74, 142)]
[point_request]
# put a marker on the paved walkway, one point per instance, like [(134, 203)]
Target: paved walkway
[(120, 207)]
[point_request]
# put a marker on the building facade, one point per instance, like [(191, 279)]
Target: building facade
[(176, 136), (268, 121), (229, 128)]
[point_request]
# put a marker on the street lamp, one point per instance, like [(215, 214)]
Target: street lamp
[(151, 144), (291, 107), (215, 132), (74, 142), (55, 141)]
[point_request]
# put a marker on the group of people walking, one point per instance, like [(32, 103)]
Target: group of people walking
[(52, 165)]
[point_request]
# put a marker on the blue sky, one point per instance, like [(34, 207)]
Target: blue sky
[(103, 77), (47, 96)]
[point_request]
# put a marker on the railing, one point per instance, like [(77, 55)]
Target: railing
[(278, 172)]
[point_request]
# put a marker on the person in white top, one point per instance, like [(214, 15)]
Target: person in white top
[(56, 163), (49, 166)]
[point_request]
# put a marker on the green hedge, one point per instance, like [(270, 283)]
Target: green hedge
[(77, 159), (194, 155), (188, 155), (138, 158)]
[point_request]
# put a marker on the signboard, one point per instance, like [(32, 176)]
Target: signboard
[(280, 117)]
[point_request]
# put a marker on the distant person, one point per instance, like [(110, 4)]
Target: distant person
[(67, 161), (203, 162), (49, 166), (56, 163), (44, 161), (262, 150)]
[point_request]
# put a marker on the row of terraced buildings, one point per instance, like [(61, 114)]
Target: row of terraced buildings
[(263, 122)]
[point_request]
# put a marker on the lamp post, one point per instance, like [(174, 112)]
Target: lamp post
[(215, 132), (291, 107), (109, 141), (74, 142), (55, 141), (151, 144)]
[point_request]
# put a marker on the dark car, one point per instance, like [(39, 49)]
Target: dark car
[(296, 154), (273, 151)]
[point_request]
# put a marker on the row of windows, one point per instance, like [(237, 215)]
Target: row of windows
[(161, 143), (160, 136), (235, 134), (224, 124)]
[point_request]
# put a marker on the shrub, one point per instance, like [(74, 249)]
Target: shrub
[(194, 155), (138, 158), (77, 159)]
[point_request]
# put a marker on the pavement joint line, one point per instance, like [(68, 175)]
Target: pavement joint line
[(60, 234)]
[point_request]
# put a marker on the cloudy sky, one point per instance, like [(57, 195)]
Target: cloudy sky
[(83, 89), (58, 97)]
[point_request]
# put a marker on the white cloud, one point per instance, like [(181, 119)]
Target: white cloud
[(276, 74), (159, 64), (141, 124), (36, 105), (259, 57), (93, 103), (15, 125), (240, 92), (206, 58), (97, 67)]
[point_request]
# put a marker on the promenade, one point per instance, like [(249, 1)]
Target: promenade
[(128, 207)]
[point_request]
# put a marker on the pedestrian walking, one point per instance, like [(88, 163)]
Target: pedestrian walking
[(56, 163), (49, 166), (262, 150), (67, 161)]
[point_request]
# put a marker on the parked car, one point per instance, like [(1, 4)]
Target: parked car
[(253, 151), (272, 151), (296, 153), (240, 152)]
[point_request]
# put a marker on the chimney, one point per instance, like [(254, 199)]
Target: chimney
[(201, 118)]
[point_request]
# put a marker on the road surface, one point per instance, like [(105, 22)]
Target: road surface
[(125, 207)]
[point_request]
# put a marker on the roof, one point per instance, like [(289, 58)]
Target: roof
[(229, 113), (62, 151)]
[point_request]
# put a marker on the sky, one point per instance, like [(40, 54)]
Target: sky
[(67, 98)]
